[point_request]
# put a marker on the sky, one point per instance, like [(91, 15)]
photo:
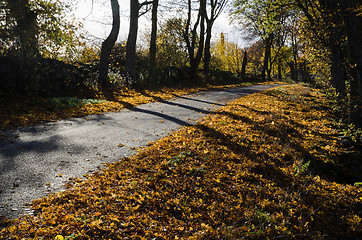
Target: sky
[(97, 21)]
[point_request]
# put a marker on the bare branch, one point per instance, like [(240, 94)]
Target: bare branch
[(145, 3)]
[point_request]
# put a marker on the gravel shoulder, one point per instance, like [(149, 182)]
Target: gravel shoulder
[(38, 160)]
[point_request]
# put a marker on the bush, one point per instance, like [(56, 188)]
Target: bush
[(45, 77), (224, 77)]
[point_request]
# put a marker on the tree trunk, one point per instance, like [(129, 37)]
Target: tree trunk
[(207, 54), (338, 72), (279, 69), (191, 45), (131, 43), (26, 26), (243, 66), (200, 50), (295, 58), (296, 68), (269, 69), (268, 43), (108, 44), (354, 33), (153, 46), (355, 116), (215, 7), (292, 69)]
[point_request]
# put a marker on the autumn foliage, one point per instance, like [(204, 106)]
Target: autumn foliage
[(259, 168)]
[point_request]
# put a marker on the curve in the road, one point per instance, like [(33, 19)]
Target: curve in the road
[(35, 161)]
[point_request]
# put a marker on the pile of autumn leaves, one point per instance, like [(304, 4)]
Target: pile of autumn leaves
[(248, 171)]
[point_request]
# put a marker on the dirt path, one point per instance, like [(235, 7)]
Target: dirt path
[(35, 161)]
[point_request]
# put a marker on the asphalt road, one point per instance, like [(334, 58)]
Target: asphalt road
[(38, 160)]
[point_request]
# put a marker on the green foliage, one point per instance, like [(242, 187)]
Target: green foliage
[(55, 32), (354, 133), (265, 16), (171, 48), (68, 102), (6, 26), (57, 35), (301, 169), (179, 159), (40, 68), (282, 56), (317, 59)]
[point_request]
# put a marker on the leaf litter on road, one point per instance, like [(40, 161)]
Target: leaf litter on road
[(18, 111)]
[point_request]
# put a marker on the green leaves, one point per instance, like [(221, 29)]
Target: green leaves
[(66, 102)]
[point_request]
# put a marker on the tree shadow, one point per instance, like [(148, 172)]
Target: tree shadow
[(245, 91), (280, 130), (319, 203), (161, 100), (161, 115), (252, 109), (132, 107), (198, 100), (329, 171), (10, 150), (28, 174), (199, 110), (294, 187), (326, 170), (155, 98)]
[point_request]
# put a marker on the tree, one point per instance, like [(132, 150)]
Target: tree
[(226, 56), (326, 27), (191, 37), (26, 28), (135, 13), (57, 35), (153, 45), (267, 54), (108, 44), (245, 62), (292, 28), (336, 24), (255, 53), (266, 18), (215, 7), (52, 34), (354, 33), (172, 50)]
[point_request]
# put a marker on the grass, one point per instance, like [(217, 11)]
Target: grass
[(273, 170)]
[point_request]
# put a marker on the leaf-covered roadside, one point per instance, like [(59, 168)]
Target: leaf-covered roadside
[(17, 111), (261, 167)]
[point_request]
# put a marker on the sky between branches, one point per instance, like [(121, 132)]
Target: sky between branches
[(97, 20)]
